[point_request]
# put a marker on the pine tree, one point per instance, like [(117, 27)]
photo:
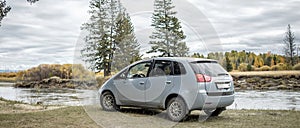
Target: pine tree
[(167, 37), (268, 61), (95, 48), (4, 9), (127, 47), (228, 63), (249, 67), (290, 46), (275, 59), (103, 38)]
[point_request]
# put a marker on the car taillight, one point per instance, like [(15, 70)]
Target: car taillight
[(203, 78)]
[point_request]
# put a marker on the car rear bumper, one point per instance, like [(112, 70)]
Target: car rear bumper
[(206, 100)]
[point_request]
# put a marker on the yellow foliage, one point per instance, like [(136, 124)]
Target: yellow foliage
[(8, 74), (65, 71)]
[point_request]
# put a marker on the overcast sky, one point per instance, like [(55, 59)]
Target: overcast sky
[(48, 31)]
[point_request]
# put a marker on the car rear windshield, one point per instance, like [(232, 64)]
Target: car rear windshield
[(211, 68)]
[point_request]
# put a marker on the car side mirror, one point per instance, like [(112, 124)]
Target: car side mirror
[(148, 65), (123, 76)]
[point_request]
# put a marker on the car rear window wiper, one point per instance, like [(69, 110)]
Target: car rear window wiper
[(223, 74)]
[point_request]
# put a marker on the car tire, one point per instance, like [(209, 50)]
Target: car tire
[(108, 102), (215, 112), (177, 109)]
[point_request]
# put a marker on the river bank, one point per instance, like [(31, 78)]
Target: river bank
[(267, 80), (261, 80), (10, 106), (57, 82)]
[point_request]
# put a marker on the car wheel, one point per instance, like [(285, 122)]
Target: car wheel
[(108, 102), (177, 109), (215, 112)]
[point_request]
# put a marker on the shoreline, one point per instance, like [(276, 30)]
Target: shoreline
[(11, 106), (267, 80)]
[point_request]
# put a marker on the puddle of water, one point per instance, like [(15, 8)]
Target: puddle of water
[(274, 100)]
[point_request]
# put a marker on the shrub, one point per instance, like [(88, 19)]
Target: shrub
[(265, 68), (253, 67), (101, 80), (249, 67), (8, 74), (282, 66), (243, 67), (296, 67), (257, 69), (276, 68)]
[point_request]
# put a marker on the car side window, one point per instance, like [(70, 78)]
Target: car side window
[(139, 70), (161, 68), (179, 68)]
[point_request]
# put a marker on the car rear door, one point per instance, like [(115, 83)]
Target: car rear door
[(217, 80), (160, 82)]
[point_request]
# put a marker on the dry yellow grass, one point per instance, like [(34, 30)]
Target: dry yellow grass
[(7, 79), (266, 73), (101, 74)]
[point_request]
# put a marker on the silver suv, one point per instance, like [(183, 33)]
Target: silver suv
[(178, 85)]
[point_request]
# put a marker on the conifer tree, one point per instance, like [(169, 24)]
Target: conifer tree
[(289, 46), (127, 50), (168, 36), (4, 9), (107, 30), (228, 63)]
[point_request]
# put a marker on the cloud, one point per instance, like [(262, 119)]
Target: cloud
[(44, 32), (47, 31), (228, 25), (252, 24)]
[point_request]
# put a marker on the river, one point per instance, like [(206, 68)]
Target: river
[(247, 99)]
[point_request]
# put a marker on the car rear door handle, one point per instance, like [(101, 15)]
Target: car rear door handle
[(168, 82), (142, 82)]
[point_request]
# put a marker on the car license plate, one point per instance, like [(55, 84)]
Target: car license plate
[(222, 86)]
